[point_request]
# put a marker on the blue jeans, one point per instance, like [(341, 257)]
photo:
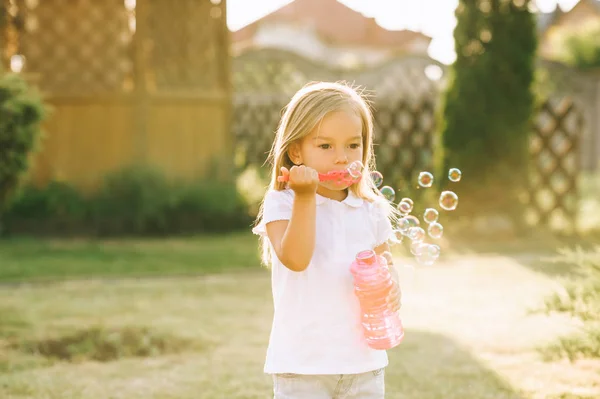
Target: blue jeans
[(369, 385)]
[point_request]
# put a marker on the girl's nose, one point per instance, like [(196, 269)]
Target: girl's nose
[(342, 158)]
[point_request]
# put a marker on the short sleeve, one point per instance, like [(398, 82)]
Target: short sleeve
[(383, 225), (277, 205)]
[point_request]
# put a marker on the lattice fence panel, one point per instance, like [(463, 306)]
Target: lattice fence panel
[(404, 138), (255, 120), (76, 46), (553, 196), (186, 45)]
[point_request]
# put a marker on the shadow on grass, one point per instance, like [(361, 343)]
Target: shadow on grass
[(431, 366)]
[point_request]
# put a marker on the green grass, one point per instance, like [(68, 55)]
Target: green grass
[(202, 332), (30, 259)]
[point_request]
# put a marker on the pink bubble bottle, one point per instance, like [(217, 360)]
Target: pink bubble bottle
[(372, 283)]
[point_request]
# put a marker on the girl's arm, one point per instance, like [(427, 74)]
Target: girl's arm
[(294, 239)]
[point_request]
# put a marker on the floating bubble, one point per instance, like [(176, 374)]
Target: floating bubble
[(388, 193), (355, 169), (454, 175), (377, 178), (448, 200), (404, 224), (427, 254), (416, 234), (413, 220), (425, 179), (405, 207), (406, 199), (425, 258), (435, 230), (417, 248), (434, 250), (395, 238), (430, 215)]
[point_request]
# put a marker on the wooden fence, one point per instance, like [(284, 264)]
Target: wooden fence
[(129, 82)]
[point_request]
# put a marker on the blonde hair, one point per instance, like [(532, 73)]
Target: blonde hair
[(306, 109)]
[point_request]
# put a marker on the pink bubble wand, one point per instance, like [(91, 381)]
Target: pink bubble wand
[(350, 175)]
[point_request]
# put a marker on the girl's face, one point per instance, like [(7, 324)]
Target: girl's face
[(333, 144)]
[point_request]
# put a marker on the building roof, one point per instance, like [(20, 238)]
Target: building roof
[(335, 23), (546, 20)]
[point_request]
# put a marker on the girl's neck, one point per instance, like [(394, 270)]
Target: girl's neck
[(336, 195)]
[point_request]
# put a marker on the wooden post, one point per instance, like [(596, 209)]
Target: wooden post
[(227, 89), (140, 40)]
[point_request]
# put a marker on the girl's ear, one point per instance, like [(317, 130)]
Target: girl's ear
[(294, 154)]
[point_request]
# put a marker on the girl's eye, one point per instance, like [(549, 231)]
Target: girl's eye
[(354, 146), (325, 146)]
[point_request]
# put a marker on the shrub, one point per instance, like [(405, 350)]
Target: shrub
[(21, 112), (134, 201)]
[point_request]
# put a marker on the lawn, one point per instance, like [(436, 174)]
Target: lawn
[(32, 260), (190, 318)]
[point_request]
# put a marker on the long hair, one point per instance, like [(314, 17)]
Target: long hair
[(306, 109)]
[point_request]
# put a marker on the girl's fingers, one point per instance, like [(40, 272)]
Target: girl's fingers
[(284, 174)]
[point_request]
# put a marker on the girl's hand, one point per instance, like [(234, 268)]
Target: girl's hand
[(394, 298), (302, 179)]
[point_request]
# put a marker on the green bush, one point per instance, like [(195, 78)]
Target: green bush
[(135, 201), (54, 208), (21, 112)]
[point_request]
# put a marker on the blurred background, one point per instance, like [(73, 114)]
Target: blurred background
[(133, 142)]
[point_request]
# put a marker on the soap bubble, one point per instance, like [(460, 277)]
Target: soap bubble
[(388, 193), (430, 215), (404, 224), (395, 238), (426, 259), (454, 175), (417, 248), (405, 207), (425, 179), (377, 178), (435, 230), (413, 220), (434, 250), (416, 234), (406, 199), (448, 200), (355, 169)]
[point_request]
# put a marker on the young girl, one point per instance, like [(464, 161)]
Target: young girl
[(311, 233)]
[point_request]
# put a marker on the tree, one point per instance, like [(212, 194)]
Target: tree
[(21, 112), (488, 105)]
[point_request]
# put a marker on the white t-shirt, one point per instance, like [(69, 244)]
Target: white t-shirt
[(316, 323)]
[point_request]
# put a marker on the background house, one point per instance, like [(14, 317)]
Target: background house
[(554, 26), (328, 31)]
